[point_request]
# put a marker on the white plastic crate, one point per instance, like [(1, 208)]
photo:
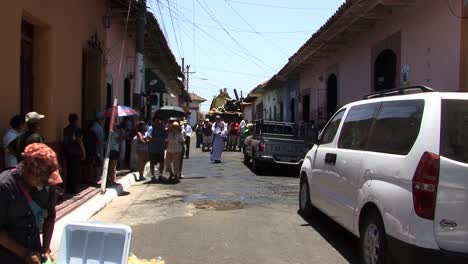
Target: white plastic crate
[(95, 243)]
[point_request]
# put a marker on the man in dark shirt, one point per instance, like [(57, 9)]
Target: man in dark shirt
[(156, 147), (29, 136), (207, 134), (199, 133), (27, 206), (74, 152)]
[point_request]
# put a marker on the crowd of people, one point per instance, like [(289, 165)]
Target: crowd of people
[(30, 183)]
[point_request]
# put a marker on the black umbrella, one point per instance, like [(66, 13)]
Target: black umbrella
[(166, 112)]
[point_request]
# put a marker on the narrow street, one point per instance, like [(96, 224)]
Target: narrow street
[(223, 213)]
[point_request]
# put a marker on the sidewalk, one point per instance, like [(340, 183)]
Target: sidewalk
[(86, 210)]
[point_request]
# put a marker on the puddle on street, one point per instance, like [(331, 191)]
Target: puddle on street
[(218, 205)]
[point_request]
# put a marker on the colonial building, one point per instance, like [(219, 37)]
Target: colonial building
[(52, 60), (194, 107), (371, 45)]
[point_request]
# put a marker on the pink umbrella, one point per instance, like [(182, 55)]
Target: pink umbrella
[(121, 111)]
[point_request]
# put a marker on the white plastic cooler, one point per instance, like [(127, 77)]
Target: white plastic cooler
[(95, 243)]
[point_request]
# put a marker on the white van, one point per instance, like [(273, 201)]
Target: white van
[(393, 170)]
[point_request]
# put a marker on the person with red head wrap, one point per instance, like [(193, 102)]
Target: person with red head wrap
[(27, 206)]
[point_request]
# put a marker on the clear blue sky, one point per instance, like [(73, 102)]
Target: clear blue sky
[(237, 43)]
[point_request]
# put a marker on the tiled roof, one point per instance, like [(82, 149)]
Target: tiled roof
[(196, 98)]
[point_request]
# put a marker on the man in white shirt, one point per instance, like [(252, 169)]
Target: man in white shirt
[(17, 124), (187, 131)]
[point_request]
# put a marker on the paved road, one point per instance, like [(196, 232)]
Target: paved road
[(223, 213)]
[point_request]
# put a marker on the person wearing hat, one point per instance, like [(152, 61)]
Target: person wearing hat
[(27, 206), (207, 134), (175, 145), (29, 136)]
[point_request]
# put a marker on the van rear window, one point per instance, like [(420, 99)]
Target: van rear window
[(454, 130)]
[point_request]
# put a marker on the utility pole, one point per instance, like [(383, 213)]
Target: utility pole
[(139, 47), (188, 72)]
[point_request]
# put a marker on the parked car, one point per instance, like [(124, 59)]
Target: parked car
[(393, 170), (279, 143)]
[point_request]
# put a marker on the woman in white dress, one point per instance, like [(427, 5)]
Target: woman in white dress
[(219, 136)]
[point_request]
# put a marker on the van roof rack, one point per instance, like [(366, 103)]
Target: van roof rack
[(398, 91)]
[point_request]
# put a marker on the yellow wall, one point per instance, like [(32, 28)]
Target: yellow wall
[(62, 28)]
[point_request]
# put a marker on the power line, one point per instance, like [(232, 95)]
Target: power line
[(162, 21), (281, 7), (216, 20), (229, 71), (219, 42), (193, 32), (175, 35), (222, 45), (251, 27)]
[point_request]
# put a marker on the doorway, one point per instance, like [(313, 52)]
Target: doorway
[(292, 110), (385, 70), (127, 92), (91, 83), (281, 112), (332, 95), (26, 67), (306, 108), (108, 95)]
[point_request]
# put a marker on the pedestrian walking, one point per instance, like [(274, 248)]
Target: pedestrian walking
[(17, 124), (219, 129), (199, 133), (187, 130), (240, 138), (29, 136), (207, 134), (27, 206), (141, 149), (74, 150), (92, 161), (175, 143), (233, 133), (98, 129), (156, 147), (114, 154)]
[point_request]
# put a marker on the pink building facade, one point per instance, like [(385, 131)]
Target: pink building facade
[(373, 45), (119, 84)]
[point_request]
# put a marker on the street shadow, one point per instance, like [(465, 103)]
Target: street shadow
[(273, 170), (124, 193), (194, 178), (337, 236)]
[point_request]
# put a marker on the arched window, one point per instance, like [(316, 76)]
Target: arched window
[(385, 70)]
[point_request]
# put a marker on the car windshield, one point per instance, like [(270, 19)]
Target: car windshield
[(454, 130)]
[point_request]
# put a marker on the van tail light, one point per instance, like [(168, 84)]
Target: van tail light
[(261, 146), (425, 182)]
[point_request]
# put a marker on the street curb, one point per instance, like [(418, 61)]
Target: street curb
[(90, 208)]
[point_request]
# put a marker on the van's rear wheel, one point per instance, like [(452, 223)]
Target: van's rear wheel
[(373, 240)]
